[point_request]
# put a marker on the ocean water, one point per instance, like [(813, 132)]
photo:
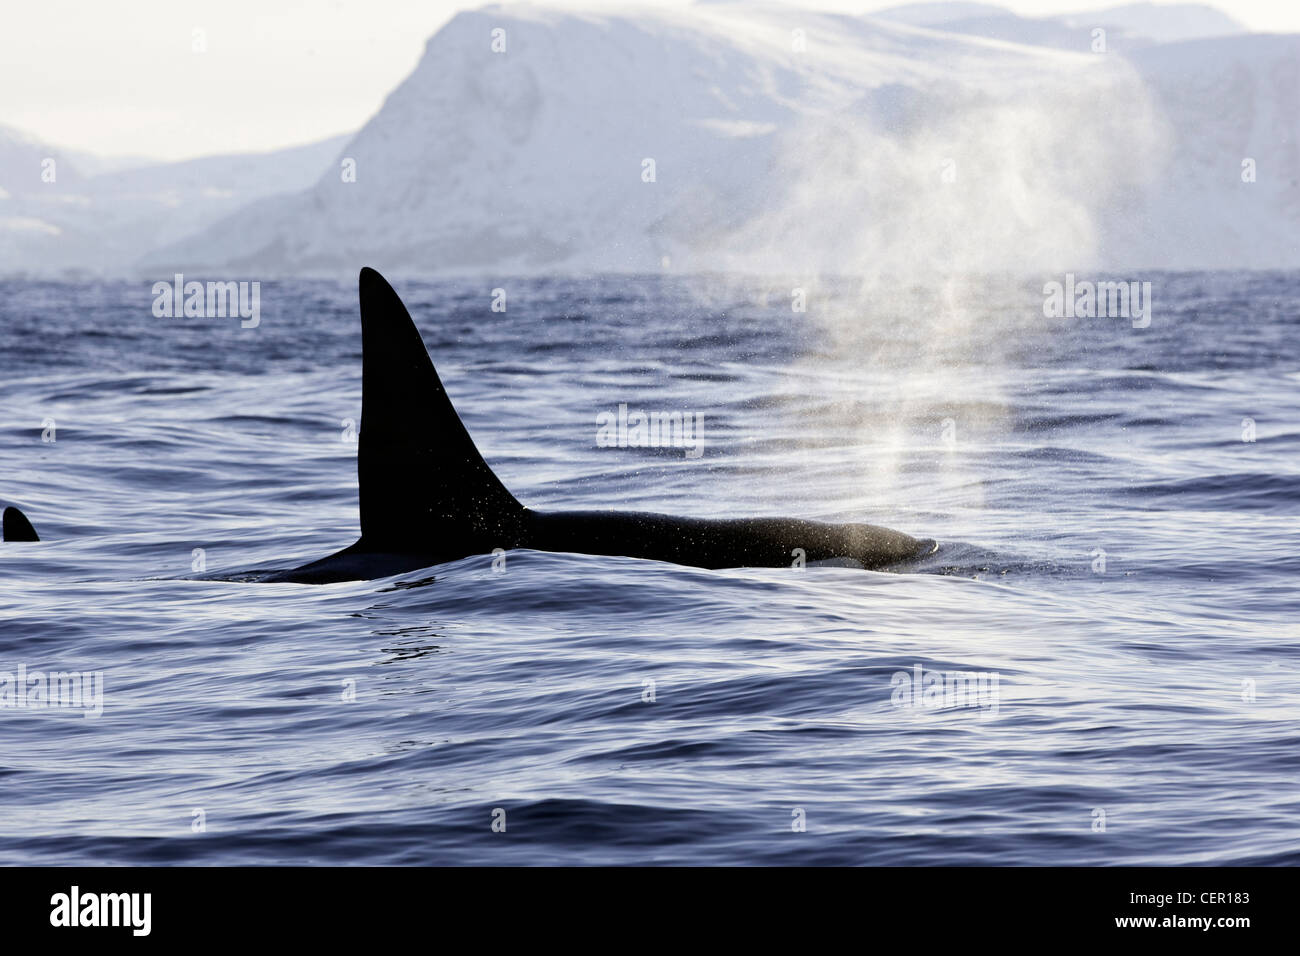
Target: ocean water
[(1117, 565)]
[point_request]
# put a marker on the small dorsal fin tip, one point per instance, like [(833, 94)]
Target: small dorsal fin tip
[(369, 277), (14, 526)]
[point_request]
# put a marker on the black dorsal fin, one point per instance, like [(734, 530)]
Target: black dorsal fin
[(17, 527), (421, 478)]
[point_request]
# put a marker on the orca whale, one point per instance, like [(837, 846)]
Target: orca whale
[(427, 496)]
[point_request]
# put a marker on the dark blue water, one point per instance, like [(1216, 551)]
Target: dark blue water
[(1111, 550)]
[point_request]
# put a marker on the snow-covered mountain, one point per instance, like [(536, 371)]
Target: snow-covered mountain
[(758, 137), (63, 211)]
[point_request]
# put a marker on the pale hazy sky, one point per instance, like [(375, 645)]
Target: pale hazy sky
[(121, 78)]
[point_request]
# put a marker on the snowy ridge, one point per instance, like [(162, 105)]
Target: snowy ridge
[(98, 217)]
